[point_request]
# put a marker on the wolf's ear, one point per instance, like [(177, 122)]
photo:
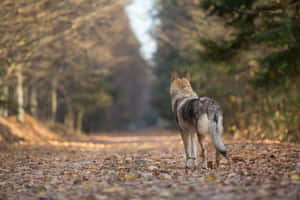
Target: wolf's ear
[(187, 75), (174, 76)]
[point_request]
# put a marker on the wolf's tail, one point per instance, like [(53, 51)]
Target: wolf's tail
[(216, 129)]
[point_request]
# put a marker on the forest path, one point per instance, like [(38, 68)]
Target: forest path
[(147, 167)]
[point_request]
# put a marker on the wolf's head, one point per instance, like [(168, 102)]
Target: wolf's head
[(181, 87)]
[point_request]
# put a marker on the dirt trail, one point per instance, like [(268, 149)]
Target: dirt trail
[(146, 167)]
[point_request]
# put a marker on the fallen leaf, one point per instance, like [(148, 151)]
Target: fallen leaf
[(165, 194), (209, 178), (128, 176), (263, 192), (295, 177), (210, 164), (110, 189), (151, 168), (238, 158)]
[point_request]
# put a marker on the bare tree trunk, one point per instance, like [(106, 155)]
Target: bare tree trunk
[(69, 119), (19, 93), (79, 121), (53, 101), (33, 102), (26, 98), (4, 109)]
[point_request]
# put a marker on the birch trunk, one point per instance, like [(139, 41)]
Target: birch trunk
[(19, 93)]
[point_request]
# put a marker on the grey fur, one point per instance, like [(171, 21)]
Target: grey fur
[(194, 108), (196, 117), (190, 112)]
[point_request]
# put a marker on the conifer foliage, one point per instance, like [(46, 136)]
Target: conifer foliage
[(245, 54), (273, 25)]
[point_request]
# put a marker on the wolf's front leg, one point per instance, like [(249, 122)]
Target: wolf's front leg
[(186, 137), (202, 142)]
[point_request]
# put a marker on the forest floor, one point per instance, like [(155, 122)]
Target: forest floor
[(147, 167)]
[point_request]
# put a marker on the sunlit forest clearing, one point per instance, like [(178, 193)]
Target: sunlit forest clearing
[(85, 108)]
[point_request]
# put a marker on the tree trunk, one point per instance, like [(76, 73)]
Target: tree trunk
[(26, 97), (20, 96), (53, 101), (69, 120), (4, 109), (79, 121), (33, 102)]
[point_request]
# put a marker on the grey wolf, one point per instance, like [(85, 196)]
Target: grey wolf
[(196, 117)]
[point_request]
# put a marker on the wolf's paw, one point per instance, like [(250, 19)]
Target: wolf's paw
[(191, 163), (204, 166)]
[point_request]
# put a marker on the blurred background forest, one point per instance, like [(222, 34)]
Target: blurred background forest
[(77, 65)]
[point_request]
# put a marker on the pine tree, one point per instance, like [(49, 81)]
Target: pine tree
[(268, 33), (271, 25)]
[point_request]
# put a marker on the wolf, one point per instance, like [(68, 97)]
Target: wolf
[(196, 117)]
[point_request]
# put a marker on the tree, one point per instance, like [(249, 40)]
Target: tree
[(64, 52), (272, 25), (272, 29), (243, 54)]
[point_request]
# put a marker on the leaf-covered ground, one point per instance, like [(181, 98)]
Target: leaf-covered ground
[(147, 167)]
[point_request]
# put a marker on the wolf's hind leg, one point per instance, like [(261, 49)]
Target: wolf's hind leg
[(217, 158), (186, 137), (202, 142)]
